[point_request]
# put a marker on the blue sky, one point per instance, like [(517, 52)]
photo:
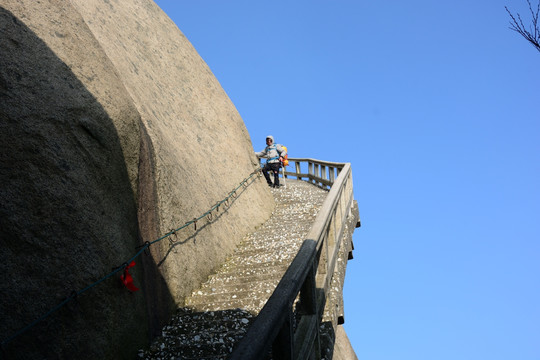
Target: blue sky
[(435, 104)]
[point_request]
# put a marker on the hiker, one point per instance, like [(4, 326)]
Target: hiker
[(274, 153)]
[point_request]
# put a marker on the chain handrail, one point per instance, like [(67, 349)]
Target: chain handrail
[(142, 248)]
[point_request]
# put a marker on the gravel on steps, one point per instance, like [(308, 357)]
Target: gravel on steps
[(218, 314)]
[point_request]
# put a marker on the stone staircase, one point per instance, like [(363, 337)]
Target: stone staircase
[(218, 314)]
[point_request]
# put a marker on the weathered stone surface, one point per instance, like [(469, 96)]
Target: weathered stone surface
[(114, 132)]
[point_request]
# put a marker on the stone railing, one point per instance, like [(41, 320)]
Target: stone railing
[(288, 325)]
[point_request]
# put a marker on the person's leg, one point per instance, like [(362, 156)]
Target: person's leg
[(265, 170), (276, 175)]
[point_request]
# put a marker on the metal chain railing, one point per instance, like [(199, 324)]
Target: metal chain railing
[(142, 248)]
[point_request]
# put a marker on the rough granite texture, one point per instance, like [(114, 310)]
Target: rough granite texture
[(114, 132)]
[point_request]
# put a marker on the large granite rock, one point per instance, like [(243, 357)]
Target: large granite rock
[(114, 132)]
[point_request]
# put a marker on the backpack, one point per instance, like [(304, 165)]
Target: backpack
[(285, 161)]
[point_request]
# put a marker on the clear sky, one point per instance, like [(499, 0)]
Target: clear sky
[(435, 104)]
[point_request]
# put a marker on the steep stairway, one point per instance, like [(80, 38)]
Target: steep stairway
[(218, 314)]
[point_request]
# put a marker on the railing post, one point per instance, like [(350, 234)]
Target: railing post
[(307, 339), (308, 299), (331, 243), (323, 261), (323, 175), (342, 207), (283, 346), (297, 168)]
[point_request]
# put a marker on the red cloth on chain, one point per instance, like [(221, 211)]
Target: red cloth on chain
[(127, 279)]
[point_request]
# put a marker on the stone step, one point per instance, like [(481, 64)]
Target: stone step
[(212, 351), (240, 281), (263, 292), (267, 250), (262, 260), (241, 271), (273, 236), (249, 266), (262, 246), (251, 305), (237, 284), (189, 321), (200, 335)]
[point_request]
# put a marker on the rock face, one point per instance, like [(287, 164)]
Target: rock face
[(114, 132)]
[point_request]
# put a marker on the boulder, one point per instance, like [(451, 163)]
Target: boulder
[(115, 132)]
